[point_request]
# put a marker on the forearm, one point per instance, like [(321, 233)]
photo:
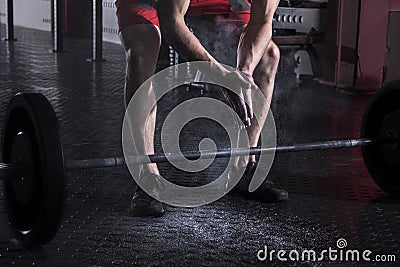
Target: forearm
[(257, 35), (252, 45), (177, 34)]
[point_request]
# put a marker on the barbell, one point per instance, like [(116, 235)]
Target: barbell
[(33, 163)]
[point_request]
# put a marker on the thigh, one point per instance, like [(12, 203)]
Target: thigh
[(142, 37), (142, 44), (133, 12)]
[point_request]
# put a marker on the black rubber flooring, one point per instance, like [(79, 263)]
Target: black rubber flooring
[(332, 196)]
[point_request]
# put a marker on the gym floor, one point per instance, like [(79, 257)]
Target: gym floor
[(332, 196)]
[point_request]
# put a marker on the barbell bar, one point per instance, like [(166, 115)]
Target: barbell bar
[(10, 170), (32, 153), (225, 153)]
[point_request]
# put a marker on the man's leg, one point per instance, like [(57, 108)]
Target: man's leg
[(258, 58), (141, 61), (221, 39), (264, 77), (256, 36), (142, 44)]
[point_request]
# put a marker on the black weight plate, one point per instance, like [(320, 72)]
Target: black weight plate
[(34, 201), (390, 129), (378, 122)]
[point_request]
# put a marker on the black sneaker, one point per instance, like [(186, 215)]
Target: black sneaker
[(267, 192), (143, 205)]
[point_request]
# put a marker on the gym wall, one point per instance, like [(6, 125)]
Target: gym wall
[(36, 14), (110, 24)]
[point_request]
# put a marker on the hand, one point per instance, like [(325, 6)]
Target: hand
[(240, 97), (247, 93), (237, 91)]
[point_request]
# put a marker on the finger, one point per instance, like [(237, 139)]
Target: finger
[(240, 106), (246, 84), (234, 102), (249, 102), (244, 115), (254, 86)]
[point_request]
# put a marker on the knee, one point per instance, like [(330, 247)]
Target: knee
[(268, 65), (273, 54)]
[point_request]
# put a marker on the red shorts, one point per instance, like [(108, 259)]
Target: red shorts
[(221, 10), (132, 12)]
